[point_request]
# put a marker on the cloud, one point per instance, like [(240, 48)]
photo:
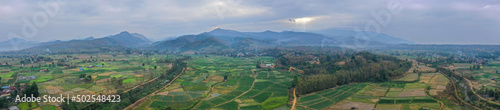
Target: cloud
[(423, 21)]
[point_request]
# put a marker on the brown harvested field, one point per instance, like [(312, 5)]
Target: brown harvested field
[(223, 90), (189, 52), (396, 89), (425, 69), (389, 107), (86, 92), (214, 78), (53, 89), (138, 75), (102, 80), (340, 63), (373, 91), (105, 56), (439, 80), (438, 83), (408, 77), (105, 74), (178, 90), (426, 77), (412, 92), (434, 92), (162, 93), (441, 87), (346, 104)]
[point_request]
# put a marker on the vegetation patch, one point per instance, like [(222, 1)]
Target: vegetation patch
[(274, 102)]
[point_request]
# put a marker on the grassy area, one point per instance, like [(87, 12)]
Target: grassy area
[(27, 105)]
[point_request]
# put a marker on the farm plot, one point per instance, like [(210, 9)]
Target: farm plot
[(347, 104), (408, 77), (229, 82), (326, 98)]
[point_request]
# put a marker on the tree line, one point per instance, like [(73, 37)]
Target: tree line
[(359, 67)]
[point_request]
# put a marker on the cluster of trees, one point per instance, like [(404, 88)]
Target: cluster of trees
[(475, 67), (116, 82), (359, 67), (28, 91), (133, 95), (436, 61), (494, 93), (86, 78), (6, 65), (31, 89)]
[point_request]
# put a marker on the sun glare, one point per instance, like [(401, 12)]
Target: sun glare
[(303, 20)]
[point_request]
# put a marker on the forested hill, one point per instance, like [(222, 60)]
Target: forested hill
[(328, 71)]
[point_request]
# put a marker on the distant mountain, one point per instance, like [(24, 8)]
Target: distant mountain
[(51, 42), (348, 36), (240, 40), (119, 41), (16, 44), (179, 42), (131, 40), (210, 43), (78, 45), (89, 38), (215, 39)]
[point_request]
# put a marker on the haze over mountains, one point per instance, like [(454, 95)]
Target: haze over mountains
[(215, 39)]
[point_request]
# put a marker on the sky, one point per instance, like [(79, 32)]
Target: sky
[(421, 21)]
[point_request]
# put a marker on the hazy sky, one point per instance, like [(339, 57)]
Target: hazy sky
[(422, 21)]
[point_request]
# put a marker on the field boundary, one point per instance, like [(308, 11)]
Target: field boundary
[(132, 106), (456, 92)]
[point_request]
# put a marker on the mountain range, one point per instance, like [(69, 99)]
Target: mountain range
[(215, 39)]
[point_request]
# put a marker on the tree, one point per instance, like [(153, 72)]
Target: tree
[(14, 94), (27, 89), (34, 90), (225, 78), (258, 64), (295, 81), (88, 78)]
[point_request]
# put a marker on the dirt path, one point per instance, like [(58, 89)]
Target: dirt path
[(132, 106), (470, 85), (209, 94), (456, 92), (440, 102), (294, 100), (253, 83), (154, 79)]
